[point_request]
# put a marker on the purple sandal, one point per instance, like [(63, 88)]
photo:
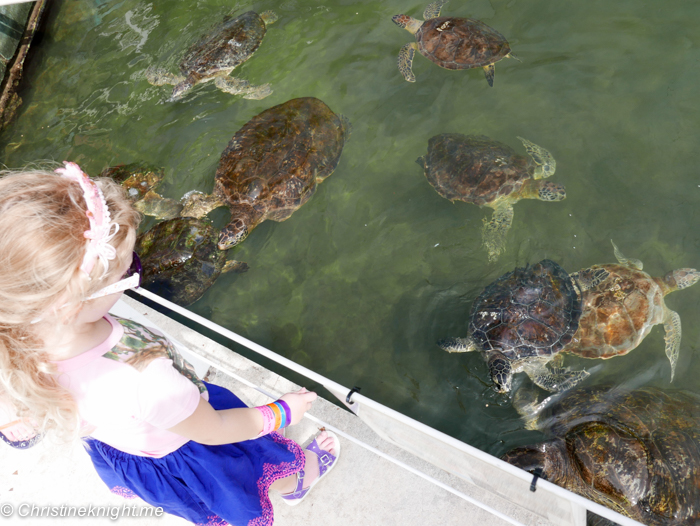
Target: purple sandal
[(326, 462)]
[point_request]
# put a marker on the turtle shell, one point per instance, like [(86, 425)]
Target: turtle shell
[(460, 43), (137, 178), (226, 46), (275, 161), (529, 312), (180, 259), (634, 451), (474, 168), (617, 313)]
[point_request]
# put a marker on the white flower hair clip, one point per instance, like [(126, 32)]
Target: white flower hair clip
[(102, 229)]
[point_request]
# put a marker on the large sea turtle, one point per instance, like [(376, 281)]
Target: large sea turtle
[(216, 54), (520, 322), (476, 169), (452, 43), (272, 166), (621, 304), (140, 179), (634, 451), (181, 260)]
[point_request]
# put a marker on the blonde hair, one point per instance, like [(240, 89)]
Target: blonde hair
[(42, 244)]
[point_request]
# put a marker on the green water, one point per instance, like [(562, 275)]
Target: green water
[(362, 281)]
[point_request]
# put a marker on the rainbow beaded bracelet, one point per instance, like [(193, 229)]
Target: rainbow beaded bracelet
[(275, 416)]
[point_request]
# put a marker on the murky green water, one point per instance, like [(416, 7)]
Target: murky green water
[(362, 280)]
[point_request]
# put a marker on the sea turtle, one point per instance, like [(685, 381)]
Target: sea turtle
[(633, 451), (520, 322), (180, 259), (139, 179), (452, 43), (272, 166), (476, 169), (216, 54), (621, 304)]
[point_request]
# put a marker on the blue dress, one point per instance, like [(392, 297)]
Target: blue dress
[(206, 485)]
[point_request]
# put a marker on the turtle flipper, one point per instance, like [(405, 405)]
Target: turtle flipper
[(542, 158), (501, 371), (161, 77), (672, 326), (242, 87), (458, 344), (628, 262), (556, 380), (433, 9), (269, 17), (235, 266), (590, 278), (494, 231), (489, 72), (406, 61), (153, 204), (513, 55), (197, 204)]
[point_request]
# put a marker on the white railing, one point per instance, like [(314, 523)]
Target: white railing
[(558, 505)]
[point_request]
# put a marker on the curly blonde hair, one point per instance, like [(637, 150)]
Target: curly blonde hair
[(42, 244)]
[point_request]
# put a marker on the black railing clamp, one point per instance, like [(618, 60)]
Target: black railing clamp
[(537, 474), (352, 391)]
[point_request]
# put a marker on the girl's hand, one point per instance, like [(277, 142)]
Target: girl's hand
[(299, 403)]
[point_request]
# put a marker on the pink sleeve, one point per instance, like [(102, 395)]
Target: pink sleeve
[(165, 397)]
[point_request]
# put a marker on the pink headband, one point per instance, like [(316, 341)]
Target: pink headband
[(102, 230)]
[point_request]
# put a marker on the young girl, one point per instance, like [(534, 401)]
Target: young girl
[(153, 428)]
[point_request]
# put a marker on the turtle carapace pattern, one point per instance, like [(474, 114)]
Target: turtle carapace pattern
[(479, 170), (226, 46), (520, 322), (633, 451), (273, 165), (451, 43)]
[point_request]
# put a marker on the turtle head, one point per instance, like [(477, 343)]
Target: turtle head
[(409, 24), (551, 192), (681, 278), (233, 233), (501, 372), (180, 89)]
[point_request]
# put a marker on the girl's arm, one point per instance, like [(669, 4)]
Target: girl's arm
[(211, 427)]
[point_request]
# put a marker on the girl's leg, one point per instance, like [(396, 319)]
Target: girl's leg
[(288, 484)]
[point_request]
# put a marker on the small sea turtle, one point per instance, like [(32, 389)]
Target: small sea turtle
[(620, 306), (180, 259), (520, 322), (476, 169), (139, 179), (633, 451), (272, 166), (216, 54), (452, 43)]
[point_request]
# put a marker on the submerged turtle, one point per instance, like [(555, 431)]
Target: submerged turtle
[(273, 165), (620, 306), (520, 322), (476, 169), (216, 54), (633, 451), (139, 179), (180, 259), (452, 43)]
